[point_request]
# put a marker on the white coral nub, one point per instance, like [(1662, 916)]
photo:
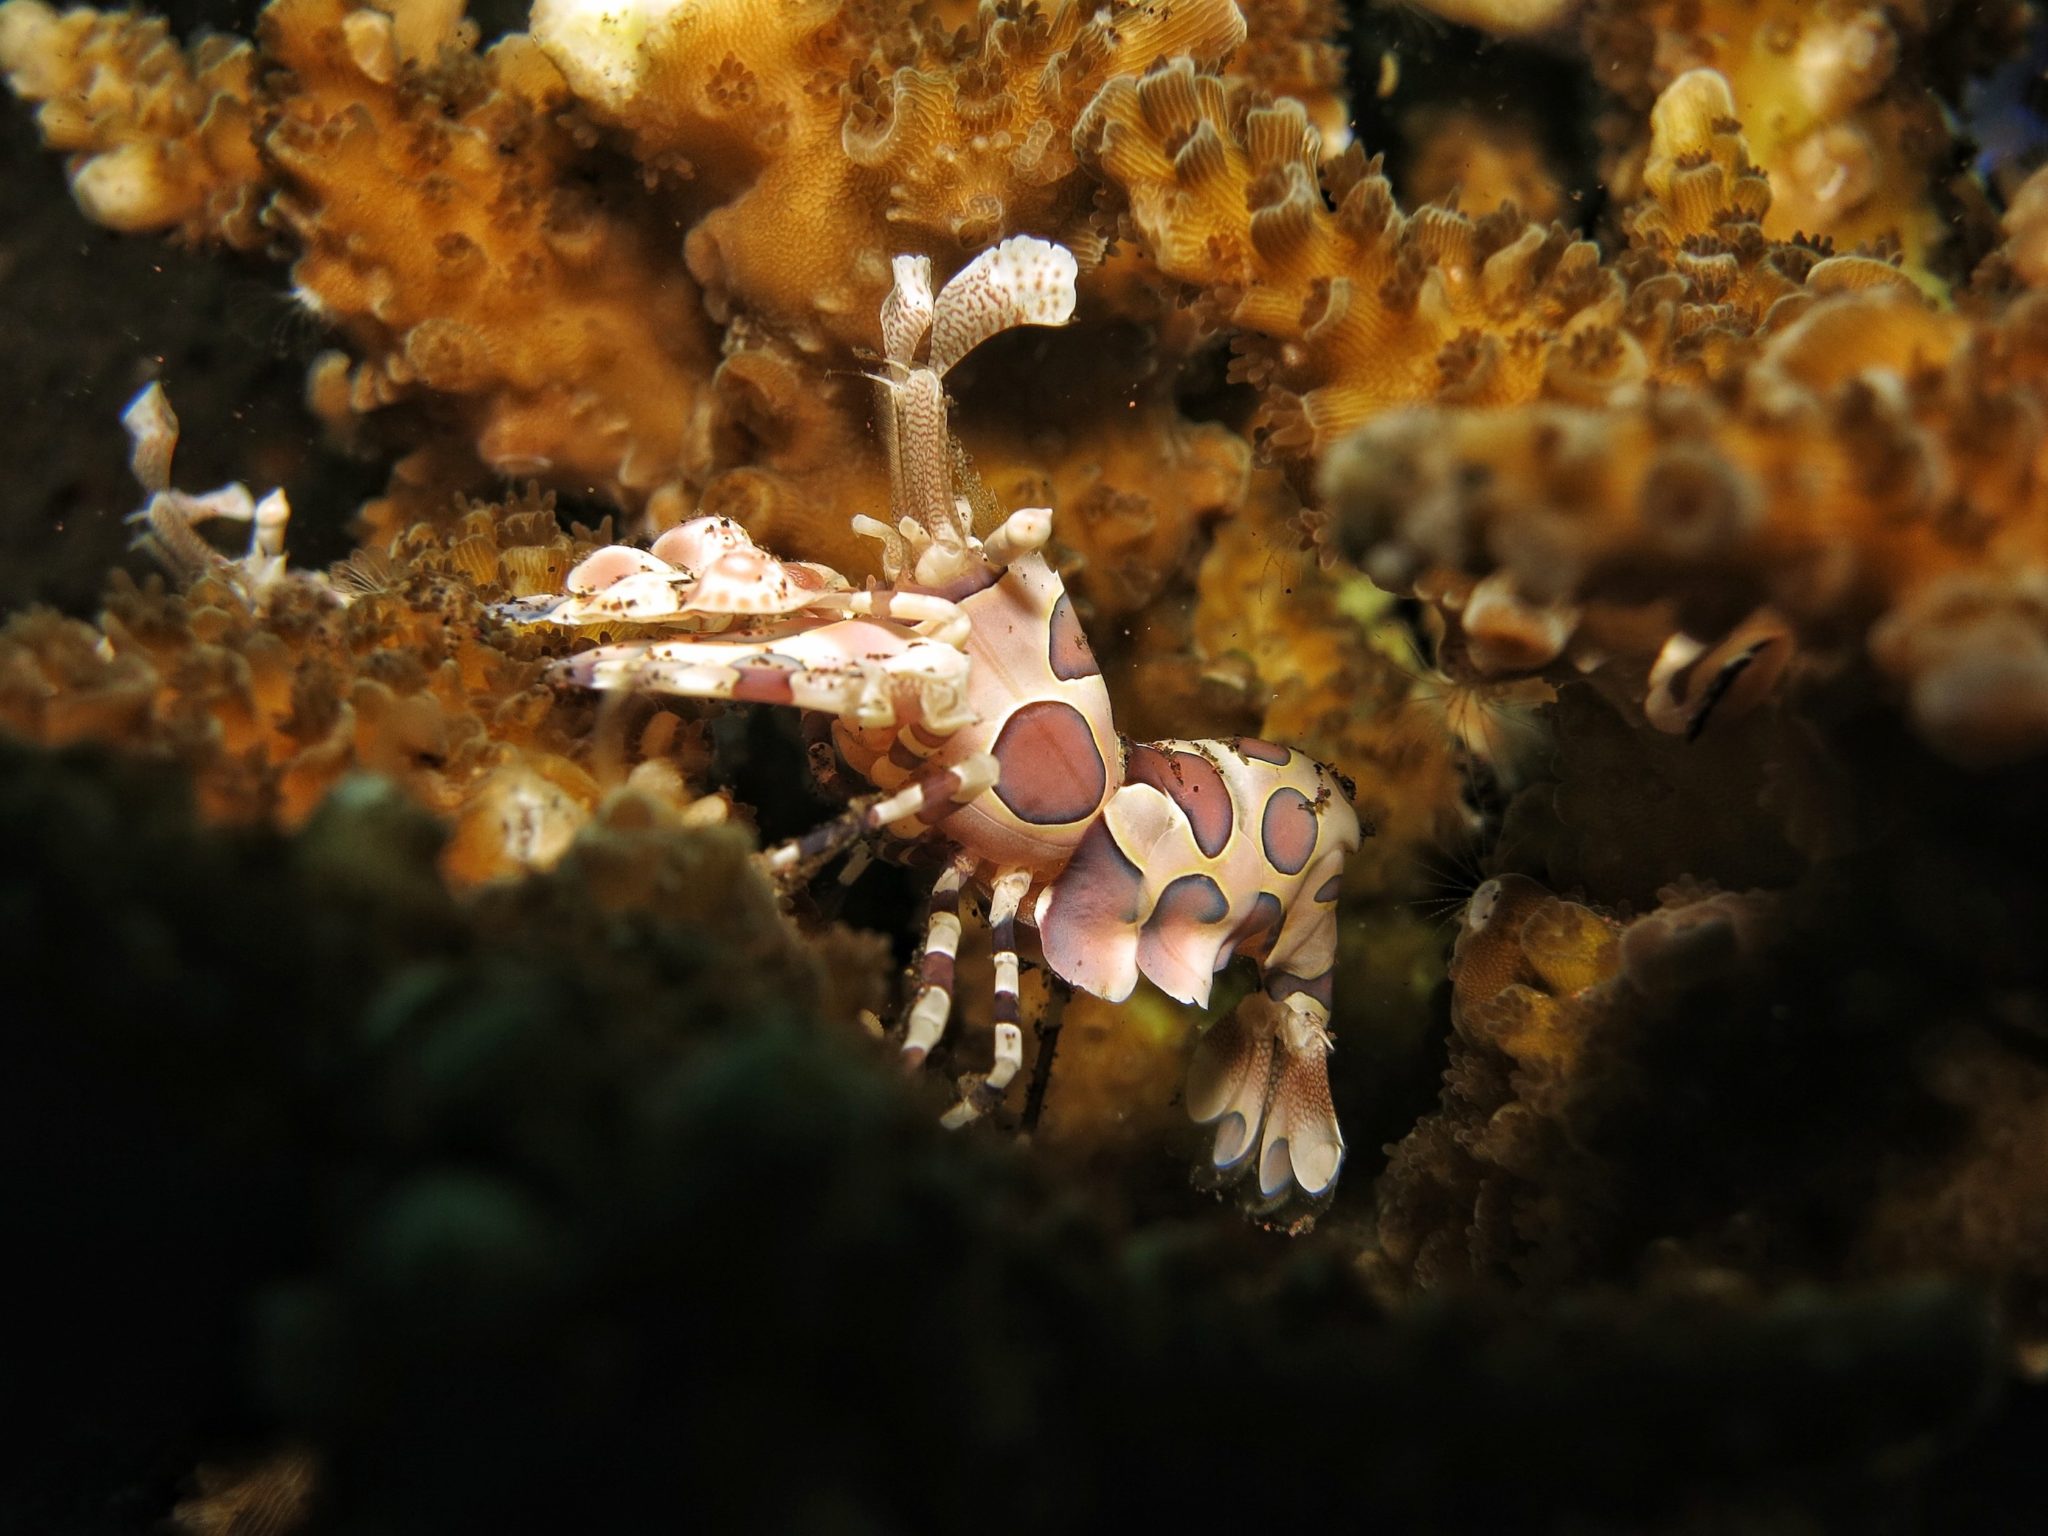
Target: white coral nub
[(600, 46)]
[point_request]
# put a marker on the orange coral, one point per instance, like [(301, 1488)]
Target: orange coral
[(1345, 307), (1290, 49), (946, 144), (158, 139), (1348, 306), (268, 712), (1833, 94), (1875, 481), (428, 194)]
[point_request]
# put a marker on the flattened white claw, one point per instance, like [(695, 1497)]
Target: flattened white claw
[(1261, 1077), (607, 567), (1276, 1167), (1023, 281), (1227, 1083), (1302, 1144)]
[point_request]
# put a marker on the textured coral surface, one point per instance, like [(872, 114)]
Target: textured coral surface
[(1612, 435)]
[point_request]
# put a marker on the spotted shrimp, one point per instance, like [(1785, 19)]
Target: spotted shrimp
[(963, 688)]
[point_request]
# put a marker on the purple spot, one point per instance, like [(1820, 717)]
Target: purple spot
[(1090, 917), (1179, 944), (1255, 935), (1052, 772), (1068, 648), (1322, 988), (1327, 891), (1190, 901), (1262, 751), (1193, 784), (1288, 830)]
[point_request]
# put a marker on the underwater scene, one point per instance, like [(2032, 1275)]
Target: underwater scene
[(847, 766)]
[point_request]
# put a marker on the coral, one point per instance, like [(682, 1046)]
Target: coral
[(945, 145), (1870, 479), (269, 711), (158, 139), (2026, 231), (443, 227), (1291, 49), (450, 1190), (1342, 306), (1763, 1085), (1835, 95), (435, 215), (1346, 306)]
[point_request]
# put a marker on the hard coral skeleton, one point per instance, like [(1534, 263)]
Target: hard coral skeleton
[(964, 689)]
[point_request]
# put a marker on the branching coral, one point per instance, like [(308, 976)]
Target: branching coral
[(947, 144), (430, 200), (1343, 306), (157, 139)]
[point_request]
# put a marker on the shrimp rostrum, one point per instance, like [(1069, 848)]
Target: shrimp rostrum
[(963, 689)]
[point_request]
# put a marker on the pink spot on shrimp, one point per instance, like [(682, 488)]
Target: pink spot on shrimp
[(1052, 771), (1067, 647), (1322, 988), (1287, 830), (1254, 936), (1192, 783)]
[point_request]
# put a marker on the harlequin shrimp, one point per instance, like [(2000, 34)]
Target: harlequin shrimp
[(963, 688)]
